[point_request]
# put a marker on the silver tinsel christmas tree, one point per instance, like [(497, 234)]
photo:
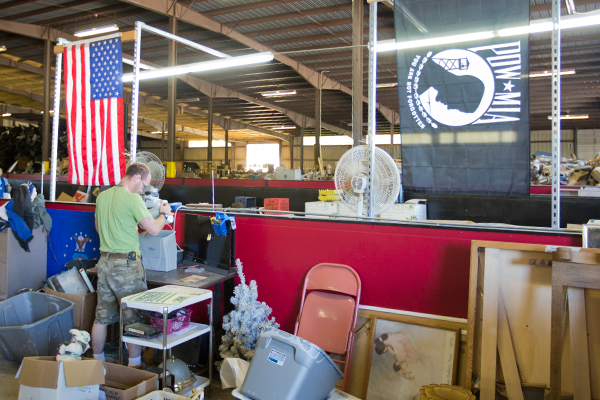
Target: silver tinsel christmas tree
[(243, 325)]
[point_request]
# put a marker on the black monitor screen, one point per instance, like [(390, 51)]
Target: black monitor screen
[(202, 245)]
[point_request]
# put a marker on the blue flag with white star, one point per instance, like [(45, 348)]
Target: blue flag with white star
[(106, 69)]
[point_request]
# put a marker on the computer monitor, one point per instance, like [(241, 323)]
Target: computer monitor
[(215, 253)]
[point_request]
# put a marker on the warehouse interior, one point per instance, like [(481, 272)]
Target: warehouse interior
[(471, 282)]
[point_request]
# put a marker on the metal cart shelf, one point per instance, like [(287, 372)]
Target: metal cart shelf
[(164, 300)]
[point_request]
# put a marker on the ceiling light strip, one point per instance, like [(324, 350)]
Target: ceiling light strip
[(543, 74), (278, 93), (582, 116), (536, 26), (230, 62), (97, 31)]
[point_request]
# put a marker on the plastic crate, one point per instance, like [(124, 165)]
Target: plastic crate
[(247, 202), (34, 324), (281, 204), (173, 324)]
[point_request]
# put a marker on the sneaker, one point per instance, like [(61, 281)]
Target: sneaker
[(141, 366)]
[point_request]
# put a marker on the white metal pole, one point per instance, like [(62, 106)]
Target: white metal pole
[(135, 89), (372, 116), (556, 114), (55, 121)]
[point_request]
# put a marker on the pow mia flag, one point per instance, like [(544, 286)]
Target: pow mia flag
[(464, 106)]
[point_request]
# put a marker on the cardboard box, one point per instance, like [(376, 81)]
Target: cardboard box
[(187, 175), (45, 378), (406, 212), (125, 383), (321, 207), (84, 312)]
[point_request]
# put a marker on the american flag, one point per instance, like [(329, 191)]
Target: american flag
[(94, 102)]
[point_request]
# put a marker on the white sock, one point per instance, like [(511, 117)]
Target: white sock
[(100, 356), (134, 362)]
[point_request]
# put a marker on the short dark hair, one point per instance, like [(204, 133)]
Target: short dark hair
[(137, 168)]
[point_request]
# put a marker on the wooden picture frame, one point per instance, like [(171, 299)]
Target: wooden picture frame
[(404, 356)]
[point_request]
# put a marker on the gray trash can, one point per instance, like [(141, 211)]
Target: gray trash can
[(285, 367), (34, 324)]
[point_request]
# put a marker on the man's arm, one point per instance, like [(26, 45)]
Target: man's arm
[(154, 226), (96, 223)]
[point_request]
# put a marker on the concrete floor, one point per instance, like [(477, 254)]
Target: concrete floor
[(10, 386)]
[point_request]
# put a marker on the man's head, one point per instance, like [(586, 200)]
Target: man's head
[(139, 176)]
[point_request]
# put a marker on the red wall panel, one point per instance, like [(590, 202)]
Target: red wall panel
[(401, 267)]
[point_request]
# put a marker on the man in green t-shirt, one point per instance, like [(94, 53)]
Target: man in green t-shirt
[(119, 211)]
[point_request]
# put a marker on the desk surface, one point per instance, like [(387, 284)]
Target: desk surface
[(159, 278)]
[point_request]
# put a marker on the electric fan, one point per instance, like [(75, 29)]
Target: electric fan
[(351, 179), (157, 171)]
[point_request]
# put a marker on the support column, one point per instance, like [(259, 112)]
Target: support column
[(302, 150), (182, 149), (210, 128), (48, 51), (357, 70), (227, 145), (162, 143), (392, 137), (318, 124), (172, 99), (291, 142)]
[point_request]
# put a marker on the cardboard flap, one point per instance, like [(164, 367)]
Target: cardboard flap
[(39, 372), (83, 372)]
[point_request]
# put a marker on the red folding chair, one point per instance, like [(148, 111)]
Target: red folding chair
[(329, 309)]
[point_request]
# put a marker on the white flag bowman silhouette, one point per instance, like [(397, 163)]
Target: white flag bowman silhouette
[(464, 108)]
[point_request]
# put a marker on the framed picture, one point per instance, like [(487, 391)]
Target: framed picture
[(405, 356)]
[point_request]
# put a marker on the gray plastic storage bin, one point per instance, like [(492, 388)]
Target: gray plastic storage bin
[(34, 324), (285, 367)]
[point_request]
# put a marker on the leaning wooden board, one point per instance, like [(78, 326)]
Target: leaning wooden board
[(526, 291)]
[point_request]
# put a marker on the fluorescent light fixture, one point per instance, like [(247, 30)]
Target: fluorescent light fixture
[(97, 31), (388, 45), (157, 132), (3, 48), (583, 116), (278, 93), (51, 111), (204, 66), (386, 85), (542, 74), (142, 65), (536, 26), (6, 114), (283, 127)]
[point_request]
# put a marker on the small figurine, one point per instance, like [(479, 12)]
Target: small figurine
[(73, 351)]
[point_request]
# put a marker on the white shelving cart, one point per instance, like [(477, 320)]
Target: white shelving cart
[(166, 299)]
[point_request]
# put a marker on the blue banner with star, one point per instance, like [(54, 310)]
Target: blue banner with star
[(73, 236), (463, 87)]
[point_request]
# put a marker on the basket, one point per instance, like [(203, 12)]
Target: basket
[(173, 324), (220, 226), (247, 202), (282, 204), (444, 392)]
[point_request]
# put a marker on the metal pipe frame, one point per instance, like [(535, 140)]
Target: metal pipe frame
[(135, 90), (372, 115), (555, 52), (55, 121)]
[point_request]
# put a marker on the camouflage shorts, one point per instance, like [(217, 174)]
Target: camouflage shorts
[(118, 278)]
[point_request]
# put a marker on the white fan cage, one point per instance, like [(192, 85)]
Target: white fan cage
[(386, 178), (157, 170)]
